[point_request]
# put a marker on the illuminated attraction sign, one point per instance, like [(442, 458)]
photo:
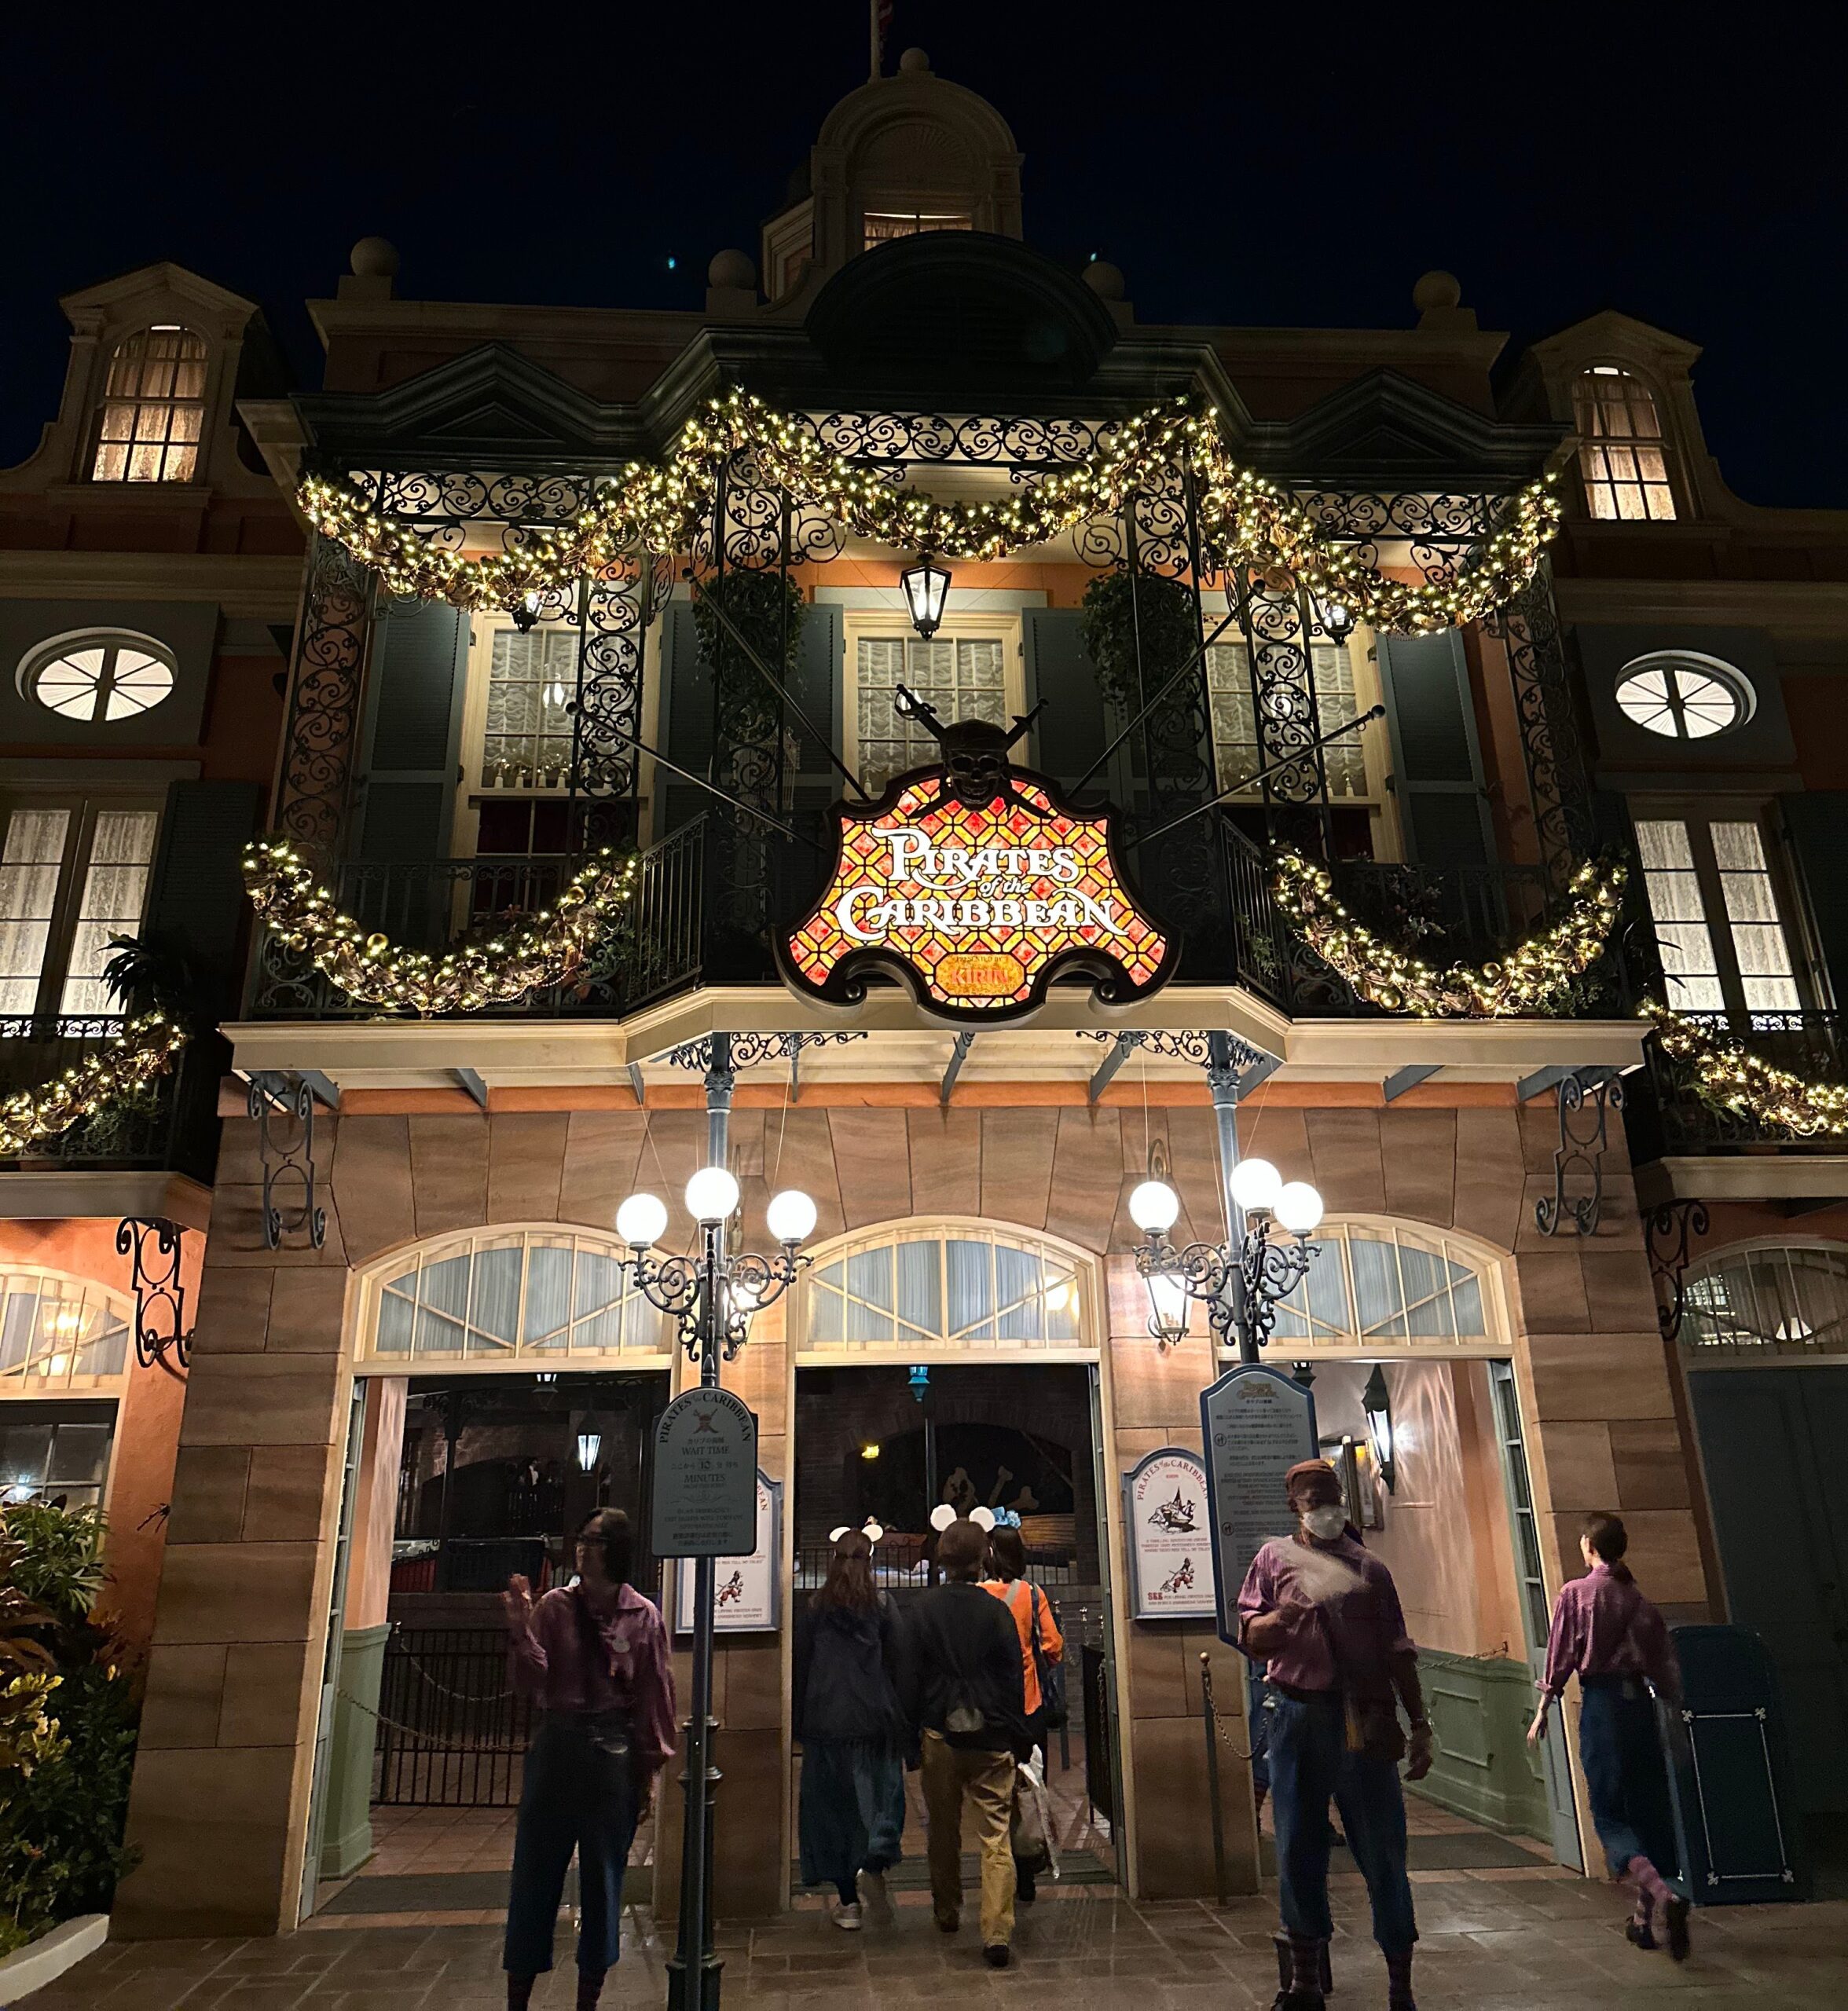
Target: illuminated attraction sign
[(977, 906)]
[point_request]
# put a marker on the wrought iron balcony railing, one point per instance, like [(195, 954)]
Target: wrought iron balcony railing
[(169, 1126), (1673, 1118), (657, 945), (1446, 913)]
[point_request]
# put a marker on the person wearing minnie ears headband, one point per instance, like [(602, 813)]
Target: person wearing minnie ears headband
[(1041, 1645), (1325, 1617), (853, 1733), (1607, 1634), (966, 1694), (594, 1657)]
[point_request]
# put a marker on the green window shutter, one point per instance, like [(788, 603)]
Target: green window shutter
[(419, 658), (1817, 822), (196, 897), (1074, 728), (1436, 762), (816, 688), (686, 727)]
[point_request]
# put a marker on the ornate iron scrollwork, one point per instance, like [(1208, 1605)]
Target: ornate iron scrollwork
[(747, 1050), (320, 740), (1559, 781), (1586, 1098), (268, 1094), (1669, 1230), (160, 1328)]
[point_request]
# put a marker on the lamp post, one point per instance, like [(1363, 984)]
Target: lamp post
[(712, 1297), (1241, 1281)]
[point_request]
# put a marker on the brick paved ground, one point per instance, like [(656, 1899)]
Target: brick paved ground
[(1507, 1941)]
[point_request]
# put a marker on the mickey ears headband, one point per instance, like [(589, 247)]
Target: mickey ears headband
[(872, 1531), (943, 1515)]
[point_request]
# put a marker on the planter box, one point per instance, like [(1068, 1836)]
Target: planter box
[(46, 1959)]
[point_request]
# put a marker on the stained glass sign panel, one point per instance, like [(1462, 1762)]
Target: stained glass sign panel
[(977, 908)]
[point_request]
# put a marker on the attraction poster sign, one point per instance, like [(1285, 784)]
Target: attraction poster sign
[(745, 1589), (1169, 1532)]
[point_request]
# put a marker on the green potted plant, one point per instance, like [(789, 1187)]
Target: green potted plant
[(69, 1713)]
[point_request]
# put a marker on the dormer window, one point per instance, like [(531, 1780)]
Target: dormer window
[(883, 225), (1622, 455), (153, 413)]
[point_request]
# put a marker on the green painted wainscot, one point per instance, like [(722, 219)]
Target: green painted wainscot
[(1479, 1708), (346, 1833)]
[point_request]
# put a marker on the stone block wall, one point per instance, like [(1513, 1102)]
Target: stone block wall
[(220, 1800)]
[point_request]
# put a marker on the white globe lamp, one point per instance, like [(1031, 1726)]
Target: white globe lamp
[(1255, 1185), (1154, 1207), (1299, 1207), (712, 1196), (790, 1217), (642, 1221)]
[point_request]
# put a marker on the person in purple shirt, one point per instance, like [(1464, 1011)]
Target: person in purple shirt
[(1607, 1634), (594, 1657), (1325, 1617)]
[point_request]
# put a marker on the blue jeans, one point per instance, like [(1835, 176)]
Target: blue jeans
[(579, 1794), (1310, 1762), (1626, 1778)]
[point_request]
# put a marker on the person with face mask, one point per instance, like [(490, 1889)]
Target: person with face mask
[(1325, 1617), (1616, 1642)]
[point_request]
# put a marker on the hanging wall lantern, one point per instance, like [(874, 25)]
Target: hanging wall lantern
[(926, 587)]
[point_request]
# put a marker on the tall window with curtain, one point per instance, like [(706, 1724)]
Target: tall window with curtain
[(964, 677), (153, 409), (1622, 453), (72, 875), (1719, 922)]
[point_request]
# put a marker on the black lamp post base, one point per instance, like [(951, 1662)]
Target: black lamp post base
[(684, 1994)]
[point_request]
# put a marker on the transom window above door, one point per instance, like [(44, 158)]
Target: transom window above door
[(1788, 1300), (58, 1333), (959, 1286), (72, 875), (512, 1296), (1366, 1287), (1719, 922)]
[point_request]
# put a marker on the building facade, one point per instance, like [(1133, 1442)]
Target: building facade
[(148, 577), (414, 1237)]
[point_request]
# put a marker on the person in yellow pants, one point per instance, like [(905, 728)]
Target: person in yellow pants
[(968, 1700)]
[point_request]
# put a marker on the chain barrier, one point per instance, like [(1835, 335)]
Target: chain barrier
[(411, 1733), (1212, 1714)]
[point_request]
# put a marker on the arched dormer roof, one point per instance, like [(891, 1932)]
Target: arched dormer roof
[(912, 145), (960, 311)]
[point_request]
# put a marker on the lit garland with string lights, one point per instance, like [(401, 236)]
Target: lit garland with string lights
[(542, 949), (1729, 1075), (1247, 521), (145, 1050), (1532, 977)]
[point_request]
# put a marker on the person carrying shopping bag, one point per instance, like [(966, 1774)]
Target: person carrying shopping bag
[(966, 1695), (1043, 1649)]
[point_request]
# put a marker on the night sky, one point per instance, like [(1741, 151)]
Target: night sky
[(1299, 165)]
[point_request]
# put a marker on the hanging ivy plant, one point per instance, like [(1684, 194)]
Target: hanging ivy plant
[(1120, 608), (767, 609)]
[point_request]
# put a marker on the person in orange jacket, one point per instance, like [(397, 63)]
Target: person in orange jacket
[(1031, 1613)]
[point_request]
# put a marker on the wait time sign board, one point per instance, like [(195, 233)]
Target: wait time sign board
[(977, 906)]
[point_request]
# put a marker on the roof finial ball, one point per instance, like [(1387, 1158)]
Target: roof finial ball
[(1439, 300), (375, 259), (733, 270), (1104, 279), (914, 63)]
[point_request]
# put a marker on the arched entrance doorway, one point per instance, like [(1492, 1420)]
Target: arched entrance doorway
[(957, 1360)]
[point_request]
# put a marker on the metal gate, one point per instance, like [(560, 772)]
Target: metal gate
[(451, 1733)]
